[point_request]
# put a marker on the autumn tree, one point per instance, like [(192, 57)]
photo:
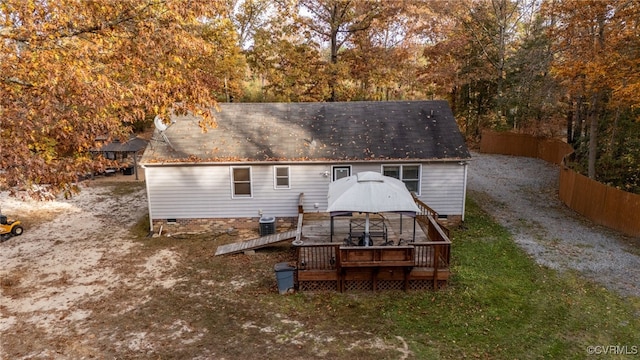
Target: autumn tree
[(533, 97), (336, 21), (597, 59), (474, 58), (288, 68), (458, 62), (250, 16), (71, 71), (384, 59)]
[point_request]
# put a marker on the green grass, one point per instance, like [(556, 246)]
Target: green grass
[(500, 305)]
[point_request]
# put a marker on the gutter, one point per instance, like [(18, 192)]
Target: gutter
[(290, 162)]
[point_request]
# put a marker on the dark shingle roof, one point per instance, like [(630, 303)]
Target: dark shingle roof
[(132, 145), (394, 130)]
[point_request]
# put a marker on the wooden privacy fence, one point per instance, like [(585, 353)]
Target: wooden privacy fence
[(602, 204), (550, 150)]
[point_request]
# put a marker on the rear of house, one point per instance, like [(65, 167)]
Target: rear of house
[(261, 157)]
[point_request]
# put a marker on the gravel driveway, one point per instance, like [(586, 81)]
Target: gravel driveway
[(522, 195)]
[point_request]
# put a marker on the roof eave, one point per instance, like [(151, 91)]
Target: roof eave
[(319, 161)]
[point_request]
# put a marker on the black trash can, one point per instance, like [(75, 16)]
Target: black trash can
[(284, 276), (267, 225)]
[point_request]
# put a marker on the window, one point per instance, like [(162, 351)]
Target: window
[(241, 179), (409, 174), (340, 172), (281, 177)]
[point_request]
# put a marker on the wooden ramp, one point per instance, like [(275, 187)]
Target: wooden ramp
[(256, 243)]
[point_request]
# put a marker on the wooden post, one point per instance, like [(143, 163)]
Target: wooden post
[(414, 228), (339, 270), (135, 164), (331, 226), (436, 256), (300, 205)]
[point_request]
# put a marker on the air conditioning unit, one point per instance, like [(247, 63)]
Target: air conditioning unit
[(267, 225)]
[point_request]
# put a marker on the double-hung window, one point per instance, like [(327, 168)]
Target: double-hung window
[(409, 174), (241, 181), (281, 177)]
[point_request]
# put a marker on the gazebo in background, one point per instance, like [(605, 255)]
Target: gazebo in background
[(124, 153)]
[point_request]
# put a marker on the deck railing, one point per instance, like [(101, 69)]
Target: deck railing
[(427, 219), (318, 256), (435, 254), (432, 254), (440, 243)]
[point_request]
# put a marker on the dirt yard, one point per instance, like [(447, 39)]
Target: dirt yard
[(71, 256), (85, 281)]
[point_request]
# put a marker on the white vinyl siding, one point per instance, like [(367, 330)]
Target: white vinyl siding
[(281, 177), (205, 191), (443, 187)]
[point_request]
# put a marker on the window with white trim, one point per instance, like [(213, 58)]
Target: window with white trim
[(340, 171), (281, 177), (408, 174), (241, 181)]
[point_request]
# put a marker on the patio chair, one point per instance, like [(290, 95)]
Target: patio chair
[(365, 240), (348, 241)]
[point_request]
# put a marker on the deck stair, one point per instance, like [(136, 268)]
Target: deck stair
[(255, 243)]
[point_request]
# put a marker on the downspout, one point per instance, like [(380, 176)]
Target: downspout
[(464, 188)]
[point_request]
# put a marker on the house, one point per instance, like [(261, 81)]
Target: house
[(262, 156)]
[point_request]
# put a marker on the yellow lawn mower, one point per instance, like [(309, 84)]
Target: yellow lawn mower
[(9, 228)]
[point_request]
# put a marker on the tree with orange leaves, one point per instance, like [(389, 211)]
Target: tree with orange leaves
[(597, 57), (71, 71)]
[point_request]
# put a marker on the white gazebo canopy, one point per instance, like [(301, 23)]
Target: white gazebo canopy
[(370, 192)]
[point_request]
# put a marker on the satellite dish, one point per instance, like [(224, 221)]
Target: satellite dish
[(159, 124), (162, 127)]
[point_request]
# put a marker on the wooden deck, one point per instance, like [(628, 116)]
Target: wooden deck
[(416, 266), (406, 254), (412, 255)]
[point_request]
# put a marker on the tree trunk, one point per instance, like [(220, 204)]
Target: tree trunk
[(614, 130), (595, 104), (577, 134), (570, 125), (501, 56), (593, 136), (334, 52)]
